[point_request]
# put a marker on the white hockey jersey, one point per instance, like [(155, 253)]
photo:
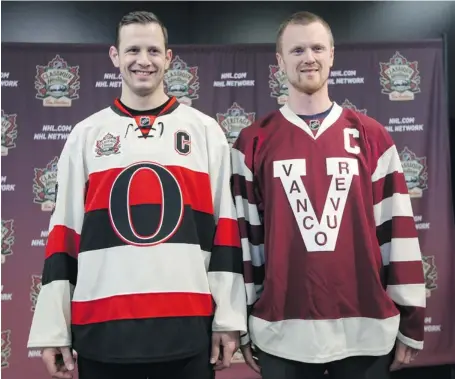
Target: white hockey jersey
[(143, 257)]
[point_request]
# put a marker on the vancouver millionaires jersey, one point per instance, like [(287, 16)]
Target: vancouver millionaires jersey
[(143, 258), (332, 262)]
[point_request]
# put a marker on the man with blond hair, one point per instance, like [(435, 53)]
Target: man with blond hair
[(333, 267)]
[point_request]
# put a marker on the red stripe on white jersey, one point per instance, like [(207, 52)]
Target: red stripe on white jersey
[(227, 233), (63, 240), (141, 306), (145, 188)]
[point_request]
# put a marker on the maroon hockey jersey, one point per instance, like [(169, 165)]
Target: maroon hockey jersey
[(332, 262)]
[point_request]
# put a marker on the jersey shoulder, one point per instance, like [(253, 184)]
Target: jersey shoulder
[(258, 129), (193, 114), (199, 120), (103, 116), (373, 130)]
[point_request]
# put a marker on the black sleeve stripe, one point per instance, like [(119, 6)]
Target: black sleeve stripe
[(59, 266), (225, 258)]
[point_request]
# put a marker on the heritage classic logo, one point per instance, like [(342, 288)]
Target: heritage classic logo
[(108, 145), (399, 78), (44, 185), (6, 347), (431, 274), (182, 81), (9, 132), (57, 83), (415, 172), (348, 105), (7, 238), (278, 84), (34, 290), (234, 120)]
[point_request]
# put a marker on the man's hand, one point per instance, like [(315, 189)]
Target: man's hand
[(59, 362), (248, 356), (224, 345), (403, 355)]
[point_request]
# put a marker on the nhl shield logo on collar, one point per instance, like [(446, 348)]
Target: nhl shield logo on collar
[(314, 124), (144, 121)]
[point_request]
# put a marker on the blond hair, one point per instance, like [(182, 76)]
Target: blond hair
[(301, 18)]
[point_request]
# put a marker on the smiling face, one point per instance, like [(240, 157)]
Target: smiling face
[(142, 57), (306, 56)]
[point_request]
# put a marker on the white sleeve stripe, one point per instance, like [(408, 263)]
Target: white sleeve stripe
[(227, 211), (401, 250), (410, 342), (250, 293), (238, 165), (256, 253), (397, 205), (388, 163), (408, 294), (248, 211)]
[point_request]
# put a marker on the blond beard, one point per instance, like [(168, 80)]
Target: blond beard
[(308, 89)]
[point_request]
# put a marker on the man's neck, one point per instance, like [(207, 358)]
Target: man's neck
[(306, 105), (143, 103)]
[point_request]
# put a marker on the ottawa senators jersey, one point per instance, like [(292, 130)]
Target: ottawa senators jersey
[(143, 257), (333, 266)]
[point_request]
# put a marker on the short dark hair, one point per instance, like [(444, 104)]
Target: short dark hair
[(143, 18), (301, 18)]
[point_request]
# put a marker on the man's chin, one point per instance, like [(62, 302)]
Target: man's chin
[(144, 90), (309, 89)]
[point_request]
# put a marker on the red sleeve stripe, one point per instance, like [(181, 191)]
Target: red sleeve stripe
[(253, 233), (405, 273), (248, 272), (63, 240), (243, 188), (227, 233), (385, 187), (146, 188), (141, 306), (252, 274), (412, 321), (398, 227)]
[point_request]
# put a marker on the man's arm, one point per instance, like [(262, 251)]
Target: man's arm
[(225, 267), (52, 317), (250, 223), (399, 242)]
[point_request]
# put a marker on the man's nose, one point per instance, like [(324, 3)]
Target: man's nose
[(143, 58), (308, 56)]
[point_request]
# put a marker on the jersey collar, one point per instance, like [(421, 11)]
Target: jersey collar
[(329, 120), (171, 106)]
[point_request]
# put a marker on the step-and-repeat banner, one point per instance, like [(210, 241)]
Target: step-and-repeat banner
[(47, 89)]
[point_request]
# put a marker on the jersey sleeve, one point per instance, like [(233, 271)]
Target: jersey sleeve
[(250, 223), (225, 266), (398, 240), (52, 317)]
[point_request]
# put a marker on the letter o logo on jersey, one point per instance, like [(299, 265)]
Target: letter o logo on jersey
[(182, 142), (172, 205)]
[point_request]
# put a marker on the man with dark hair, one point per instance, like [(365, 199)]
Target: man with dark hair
[(143, 269), (333, 268)]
